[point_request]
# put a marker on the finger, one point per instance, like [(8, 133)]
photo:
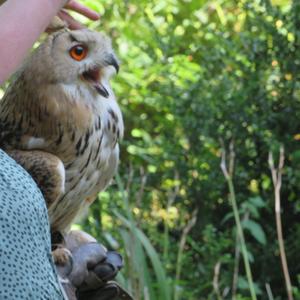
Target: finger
[(83, 10), (72, 23)]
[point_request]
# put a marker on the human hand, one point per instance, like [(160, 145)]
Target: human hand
[(74, 5), (89, 273)]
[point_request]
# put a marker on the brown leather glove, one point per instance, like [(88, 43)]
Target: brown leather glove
[(88, 273)]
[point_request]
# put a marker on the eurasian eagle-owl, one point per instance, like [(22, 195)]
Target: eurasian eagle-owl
[(59, 119)]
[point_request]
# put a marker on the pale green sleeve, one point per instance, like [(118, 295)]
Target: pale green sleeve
[(26, 267)]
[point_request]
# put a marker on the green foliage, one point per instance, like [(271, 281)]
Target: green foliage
[(194, 72)]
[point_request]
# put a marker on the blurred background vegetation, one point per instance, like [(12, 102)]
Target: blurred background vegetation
[(196, 76)]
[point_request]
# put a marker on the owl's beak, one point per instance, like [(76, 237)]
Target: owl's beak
[(113, 62), (93, 77)]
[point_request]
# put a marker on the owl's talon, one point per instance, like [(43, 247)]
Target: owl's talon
[(61, 256)]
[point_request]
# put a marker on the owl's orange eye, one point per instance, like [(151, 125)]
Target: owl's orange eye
[(78, 52)]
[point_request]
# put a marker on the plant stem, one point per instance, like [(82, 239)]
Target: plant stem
[(232, 199), (172, 194), (277, 180), (269, 292), (237, 261), (216, 280), (182, 243), (241, 237)]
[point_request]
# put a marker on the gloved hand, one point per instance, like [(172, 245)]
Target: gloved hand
[(88, 272)]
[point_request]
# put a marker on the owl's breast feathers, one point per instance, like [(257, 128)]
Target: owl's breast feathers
[(73, 123)]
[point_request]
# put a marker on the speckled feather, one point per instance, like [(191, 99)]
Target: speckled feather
[(59, 127)]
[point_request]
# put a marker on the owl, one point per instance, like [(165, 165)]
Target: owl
[(60, 120)]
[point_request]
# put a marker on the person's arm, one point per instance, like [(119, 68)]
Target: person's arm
[(22, 22)]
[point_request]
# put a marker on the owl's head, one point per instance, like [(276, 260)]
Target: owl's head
[(80, 57)]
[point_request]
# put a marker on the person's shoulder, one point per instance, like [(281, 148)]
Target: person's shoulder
[(13, 174), (16, 183)]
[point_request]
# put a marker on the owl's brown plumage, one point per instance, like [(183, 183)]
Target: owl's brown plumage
[(60, 120)]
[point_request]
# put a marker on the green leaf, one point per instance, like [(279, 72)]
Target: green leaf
[(281, 2), (243, 285), (162, 282), (256, 230), (227, 217), (257, 201)]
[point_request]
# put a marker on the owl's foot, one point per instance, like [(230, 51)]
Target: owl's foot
[(61, 256)]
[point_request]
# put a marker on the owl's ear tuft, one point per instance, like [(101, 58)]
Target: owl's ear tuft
[(56, 24)]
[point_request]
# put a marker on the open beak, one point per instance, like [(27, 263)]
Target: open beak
[(93, 77)]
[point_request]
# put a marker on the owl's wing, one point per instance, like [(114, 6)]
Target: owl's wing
[(10, 134), (46, 169), (14, 121)]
